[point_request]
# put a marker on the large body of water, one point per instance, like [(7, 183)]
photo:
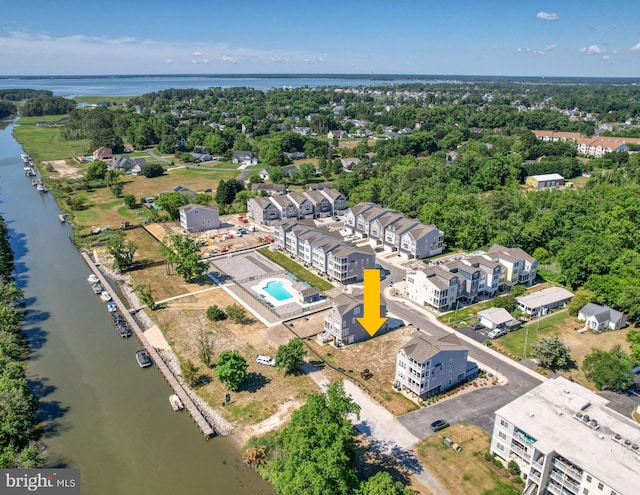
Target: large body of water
[(102, 413)]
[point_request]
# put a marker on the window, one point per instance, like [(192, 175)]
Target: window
[(504, 423), (500, 446), (589, 478), (600, 486), (585, 491), (502, 435)]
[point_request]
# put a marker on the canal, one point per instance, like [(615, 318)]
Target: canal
[(101, 413)]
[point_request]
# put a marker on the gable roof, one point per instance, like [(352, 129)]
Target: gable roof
[(193, 206), (496, 315), (423, 347)]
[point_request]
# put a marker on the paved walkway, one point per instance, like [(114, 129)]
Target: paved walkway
[(187, 294)]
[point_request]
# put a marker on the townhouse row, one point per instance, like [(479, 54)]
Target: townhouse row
[(296, 205), (327, 252), (391, 231), (441, 286)]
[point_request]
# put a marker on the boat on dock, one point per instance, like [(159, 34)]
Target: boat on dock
[(93, 278), (123, 329), (143, 359), (25, 158), (175, 402), (111, 306), (105, 296), (63, 218), (40, 188), (97, 288)]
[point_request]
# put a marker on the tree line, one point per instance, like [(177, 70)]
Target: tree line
[(18, 404)]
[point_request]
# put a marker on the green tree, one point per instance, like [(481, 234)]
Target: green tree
[(144, 293), (517, 290), (581, 298), (227, 190), (276, 175), (290, 356), (231, 369), (171, 203), (202, 199), (121, 250), (96, 171), (307, 171), (77, 201), (609, 368), (382, 483), (181, 251), (551, 353), (117, 188), (129, 201), (237, 313), (189, 372), (507, 302), (153, 170), (542, 255), (214, 313)]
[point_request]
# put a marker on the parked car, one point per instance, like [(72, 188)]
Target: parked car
[(266, 360), (497, 332), (477, 326), (441, 424)]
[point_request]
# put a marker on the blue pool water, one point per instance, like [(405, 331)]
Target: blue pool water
[(276, 290)]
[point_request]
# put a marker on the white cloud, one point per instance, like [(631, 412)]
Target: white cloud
[(605, 57), (197, 54), (168, 61), (227, 58), (519, 50), (552, 46), (592, 50), (530, 50), (547, 16), (636, 48)]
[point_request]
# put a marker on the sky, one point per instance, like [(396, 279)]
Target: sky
[(585, 38)]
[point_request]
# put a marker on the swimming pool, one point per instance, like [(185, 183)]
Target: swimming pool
[(276, 290)]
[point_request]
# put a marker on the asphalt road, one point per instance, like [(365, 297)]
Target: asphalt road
[(477, 407)]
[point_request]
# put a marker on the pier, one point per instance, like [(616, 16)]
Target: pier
[(177, 387)]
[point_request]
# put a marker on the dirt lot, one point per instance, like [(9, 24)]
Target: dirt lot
[(62, 169), (377, 354)]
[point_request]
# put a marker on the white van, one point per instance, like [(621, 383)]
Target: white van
[(266, 360), (497, 332)]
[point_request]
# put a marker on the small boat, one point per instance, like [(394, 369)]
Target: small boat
[(41, 188), (63, 218), (97, 288), (93, 279), (123, 329), (175, 402), (111, 306), (143, 359), (105, 296)]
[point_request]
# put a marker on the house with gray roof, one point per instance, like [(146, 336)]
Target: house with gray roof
[(337, 200), (262, 211), (196, 218), (304, 205), (269, 188), (322, 206), (285, 206), (519, 266), (597, 317), (433, 287), (427, 366), (341, 325), (542, 301), (245, 158)]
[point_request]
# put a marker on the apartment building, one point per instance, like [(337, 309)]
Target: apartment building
[(519, 267), (596, 146), (566, 441), (432, 286), (427, 366)]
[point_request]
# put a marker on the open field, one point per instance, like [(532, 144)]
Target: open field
[(148, 248), (299, 271), (164, 286), (377, 354), (264, 390), (41, 118), (46, 143), (562, 325), (465, 472), (94, 99)]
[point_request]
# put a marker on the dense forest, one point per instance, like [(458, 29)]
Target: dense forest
[(455, 155), (18, 405)]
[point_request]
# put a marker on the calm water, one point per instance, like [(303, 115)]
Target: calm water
[(137, 85), (103, 414)]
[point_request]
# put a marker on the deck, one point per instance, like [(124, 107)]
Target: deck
[(177, 387)]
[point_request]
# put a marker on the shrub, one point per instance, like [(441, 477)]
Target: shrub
[(214, 313), (513, 467), (488, 456)]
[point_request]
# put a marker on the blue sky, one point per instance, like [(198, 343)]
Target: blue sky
[(474, 37)]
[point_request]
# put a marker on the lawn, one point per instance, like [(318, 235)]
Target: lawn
[(465, 472), (147, 247), (94, 99), (41, 118), (562, 325), (46, 143), (299, 271)]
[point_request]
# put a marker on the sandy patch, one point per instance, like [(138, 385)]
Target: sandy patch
[(63, 169)]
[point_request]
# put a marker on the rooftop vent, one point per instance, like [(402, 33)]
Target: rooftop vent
[(559, 413), (531, 414)]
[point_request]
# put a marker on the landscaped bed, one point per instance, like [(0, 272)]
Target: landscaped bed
[(302, 273)]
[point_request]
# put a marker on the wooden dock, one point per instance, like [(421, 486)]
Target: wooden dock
[(177, 387)]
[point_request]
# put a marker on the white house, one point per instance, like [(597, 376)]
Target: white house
[(602, 317), (196, 218), (245, 158), (427, 366), (542, 301), (494, 318)]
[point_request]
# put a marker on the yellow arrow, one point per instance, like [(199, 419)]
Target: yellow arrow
[(371, 320)]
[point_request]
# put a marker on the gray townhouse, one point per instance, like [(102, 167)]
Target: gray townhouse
[(427, 366), (303, 204), (468, 280), (285, 206), (393, 231), (262, 211), (337, 200), (196, 218), (490, 272), (322, 206), (432, 286), (341, 325)]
